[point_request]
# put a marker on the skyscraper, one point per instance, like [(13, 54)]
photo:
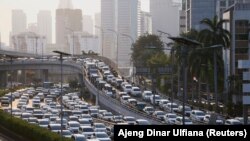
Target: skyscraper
[(65, 4), (97, 23), (88, 24), (197, 10), (68, 21), (19, 21), (128, 22), (44, 24), (165, 17), (108, 22)]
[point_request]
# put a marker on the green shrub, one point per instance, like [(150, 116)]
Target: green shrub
[(28, 131)]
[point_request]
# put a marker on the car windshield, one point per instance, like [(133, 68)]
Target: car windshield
[(56, 127), (130, 119), (128, 87), (80, 139), (102, 135), (44, 122), (172, 116), (66, 133), (150, 109), (174, 106), (236, 123), (200, 114), (84, 122), (187, 120), (160, 113), (100, 126), (136, 89), (74, 125), (108, 114), (88, 130)]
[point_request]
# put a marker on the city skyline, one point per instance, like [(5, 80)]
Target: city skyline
[(32, 7)]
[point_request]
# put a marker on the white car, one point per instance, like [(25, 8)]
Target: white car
[(124, 99), (155, 99), (171, 107), (188, 110), (149, 110), (159, 114), (197, 115), (232, 122), (179, 121), (129, 120), (170, 118), (146, 95), (162, 102), (135, 91), (127, 88)]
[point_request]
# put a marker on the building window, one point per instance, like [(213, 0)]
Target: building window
[(223, 3), (241, 37), (241, 50)]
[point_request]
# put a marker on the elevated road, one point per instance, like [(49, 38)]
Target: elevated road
[(117, 106), (104, 100)]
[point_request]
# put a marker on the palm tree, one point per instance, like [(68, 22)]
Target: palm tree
[(214, 34)]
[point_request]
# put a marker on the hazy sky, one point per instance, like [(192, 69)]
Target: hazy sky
[(31, 8)]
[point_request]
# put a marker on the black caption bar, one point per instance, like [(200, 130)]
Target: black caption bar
[(194, 132)]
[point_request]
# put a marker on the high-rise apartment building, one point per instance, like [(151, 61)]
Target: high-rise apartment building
[(29, 42), (44, 25), (19, 21), (165, 17)]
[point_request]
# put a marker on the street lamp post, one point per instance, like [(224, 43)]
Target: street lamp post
[(185, 50), (61, 60), (102, 35), (117, 38), (172, 64), (215, 71), (133, 42)]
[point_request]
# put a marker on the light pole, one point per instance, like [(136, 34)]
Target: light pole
[(187, 43), (61, 60), (215, 71), (172, 64), (117, 37), (73, 44), (102, 35), (133, 42)]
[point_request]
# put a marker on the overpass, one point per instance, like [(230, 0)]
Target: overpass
[(52, 68), (25, 71)]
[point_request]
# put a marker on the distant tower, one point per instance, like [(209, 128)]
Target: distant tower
[(19, 21), (65, 4), (44, 24), (68, 21)]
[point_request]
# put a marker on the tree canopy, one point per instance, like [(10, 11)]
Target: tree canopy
[(148, 51)]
